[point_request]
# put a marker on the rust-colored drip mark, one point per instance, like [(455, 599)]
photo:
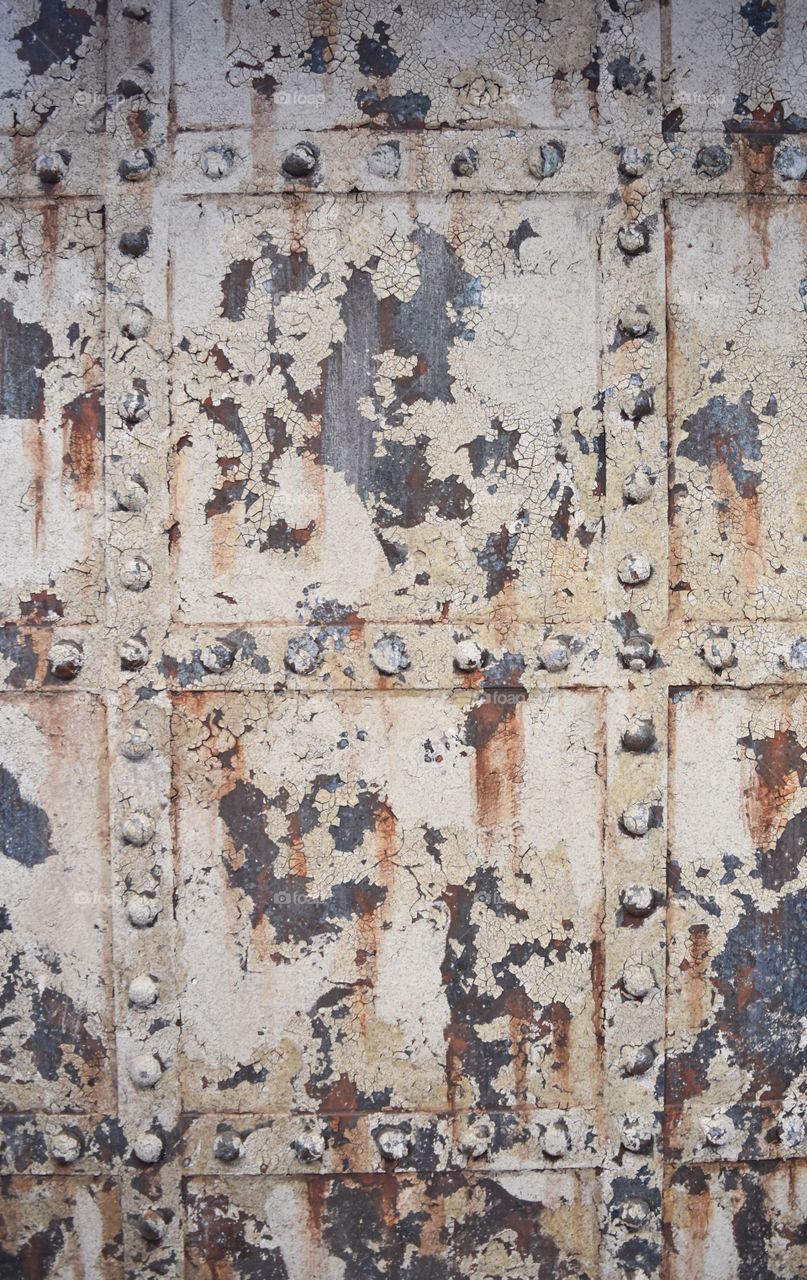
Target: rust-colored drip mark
[(50, 243), (520, 1010), (496, 731), (759, 213), (775, 768), (82, 429), (694, 968), (297, 859), (315, 1189), (34, 446), (561, 1028)]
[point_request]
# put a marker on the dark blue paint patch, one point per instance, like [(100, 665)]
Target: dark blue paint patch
[(25, 830), (725, 433)]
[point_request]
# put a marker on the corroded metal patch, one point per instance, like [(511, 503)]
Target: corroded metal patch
[(67, 1227)]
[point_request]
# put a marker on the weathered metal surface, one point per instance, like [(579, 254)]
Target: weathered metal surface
[(402, 644)]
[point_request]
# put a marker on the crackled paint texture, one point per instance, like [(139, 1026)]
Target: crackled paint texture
[(403, 735)]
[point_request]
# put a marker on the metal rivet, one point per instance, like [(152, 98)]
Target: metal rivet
[(634, 322), (141, 911), (131, 493), (393, 1143), (634, 1213), (635, 405), (636, 818), (227, 1146), (388, 655), (66, 658), (133, 244), (791, 163), (636, 1059), (138, 744), (145, 1070), (216, 162), (150, 1225), (556, 1141), (133, 407), (638, 900), (65, 1148), (633, 239), (791, 1130), (634, 569), (134, 653), (632, 162), (143, 991), (137, 829), (717, 652), (218, 657), (148, 1147), (303, 655), (469, 656), (135, 572), (637, 652), (52, 167), (465, 163), (626, 76), (475, 1140), (716, 1130), (301, 160), (136, 165), (554, 655), (136, 321), (546, 162), (637, 1133), (637, 487), (309, 1147), (639, 734), (713, 161), (385, 160), (638, 980)]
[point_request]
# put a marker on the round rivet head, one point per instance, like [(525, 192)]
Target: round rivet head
[(388, 655), (143, 991), (148, 1147), (637, 652), (638, 900), (639, 734), (135, 322), (392, 1142), (303, 655), (469, 656), (633, 239), (216, 162), (136, 165), (717, 652), (51, 167), (636, 405), (556, 1141), (791, 1130), (712, 161), (637, 1133), (134, 653), (632, 162), (464, 163), (385, 160), (66, 658), (634, 1213), (636, 1059), (309, 1147), (137, 829), (637, 487), (133, 244), (547, 160), (227, 1146), (791, 163), (65, 1148), (634, 569), (716, 1130), (135, 572), (138, 743), (131, 493), (217, 658), (145, 1070), (634, 322), (150, 1225), (301, 160), (636, 818), (554, 655), (474, 1142), (141, 910), (638, 980), (133, 407)]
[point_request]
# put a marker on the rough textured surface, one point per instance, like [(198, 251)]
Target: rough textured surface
[(402, 641)]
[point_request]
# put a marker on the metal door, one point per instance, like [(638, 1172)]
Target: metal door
[(402, 640)]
